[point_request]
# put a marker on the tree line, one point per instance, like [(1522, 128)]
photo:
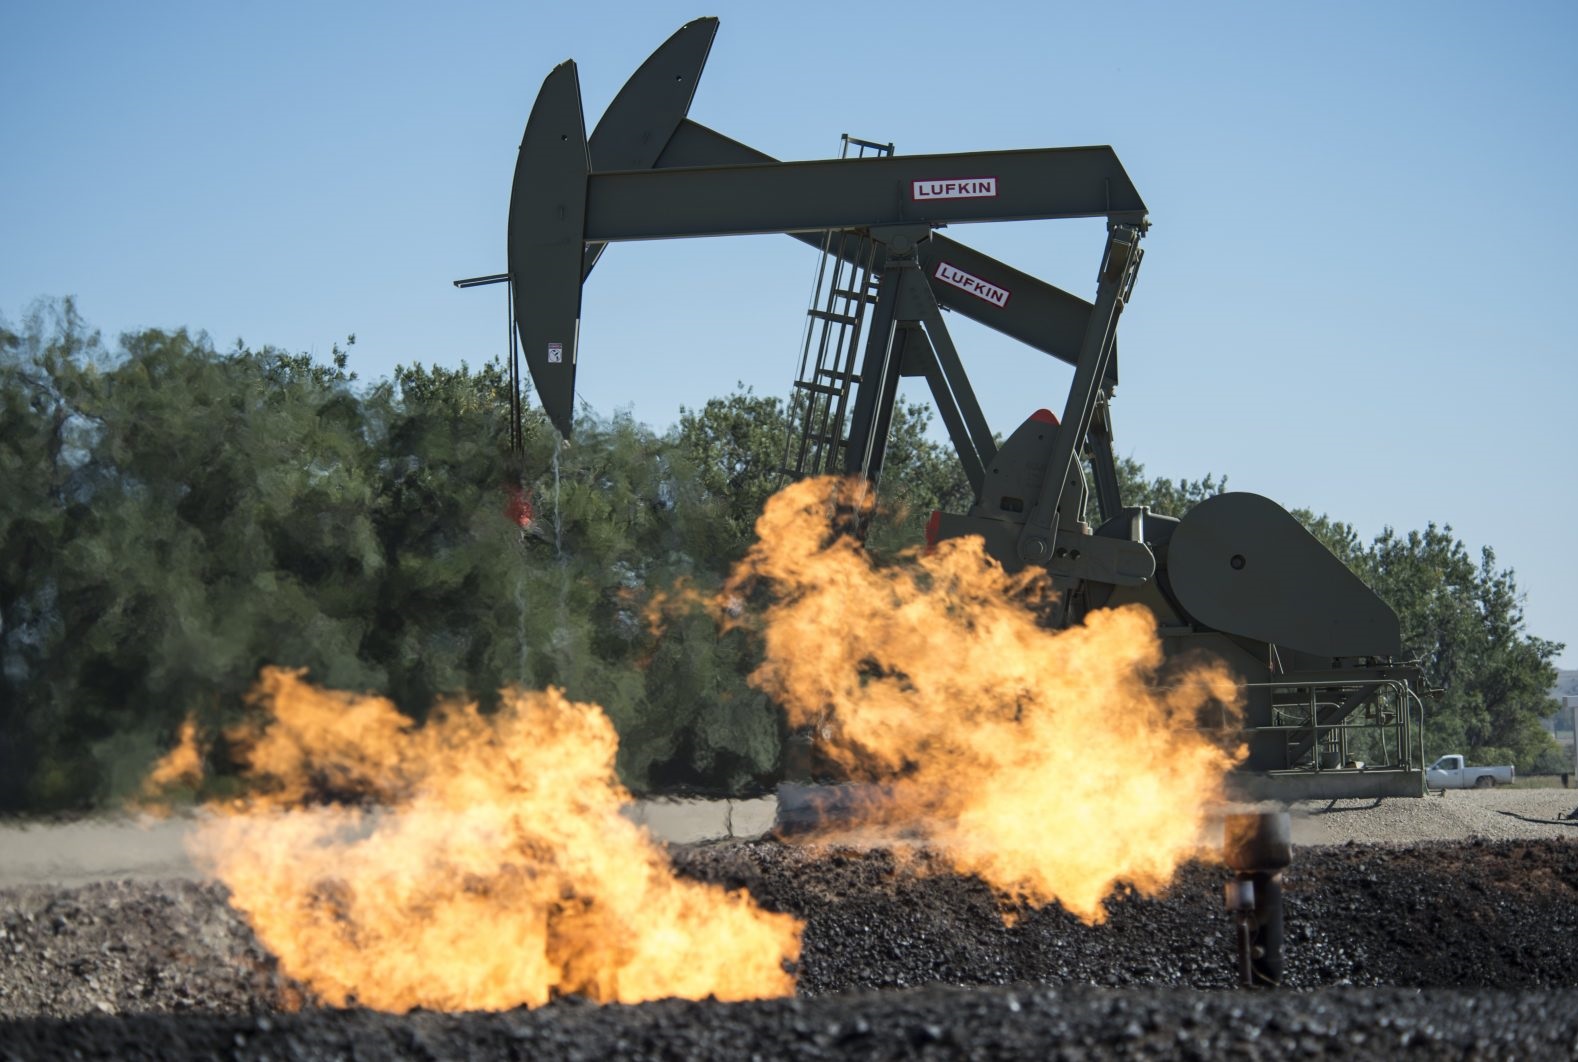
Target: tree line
[(174, 517)]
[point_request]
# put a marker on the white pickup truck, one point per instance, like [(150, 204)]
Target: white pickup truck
[(1449, 773)]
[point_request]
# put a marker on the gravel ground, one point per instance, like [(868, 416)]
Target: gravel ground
[(1023, 1022), (1459, 814), (1466, 949)]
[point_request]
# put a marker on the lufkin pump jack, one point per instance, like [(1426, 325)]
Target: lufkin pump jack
[(1317, 652)]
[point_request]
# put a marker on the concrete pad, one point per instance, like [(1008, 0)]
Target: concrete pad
[(752, 818), (75, 853), (682, 821)]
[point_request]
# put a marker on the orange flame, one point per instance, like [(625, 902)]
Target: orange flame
[(487, 867), (1054, 764), (181, 766)]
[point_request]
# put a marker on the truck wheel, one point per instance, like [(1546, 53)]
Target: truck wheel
[(1484, 781)]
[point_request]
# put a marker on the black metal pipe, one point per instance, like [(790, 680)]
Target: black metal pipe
[(473, 282), (1257, 847), (1265, 939)]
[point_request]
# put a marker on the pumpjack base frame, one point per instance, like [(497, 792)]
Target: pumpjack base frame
[(1338, 783)]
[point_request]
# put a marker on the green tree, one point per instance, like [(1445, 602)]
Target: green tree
[(919, 475), (41, 441), (173, 518), (443, 621), (1168, 497), (736, 445), (1464, 620), (733, 446), (164, 568)]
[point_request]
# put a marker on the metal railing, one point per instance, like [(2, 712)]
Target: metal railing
[(1386, 727)]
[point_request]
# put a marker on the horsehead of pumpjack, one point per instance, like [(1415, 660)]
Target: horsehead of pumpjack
[(1316, 650)]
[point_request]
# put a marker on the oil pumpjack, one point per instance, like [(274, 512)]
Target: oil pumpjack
[(1318, 656)]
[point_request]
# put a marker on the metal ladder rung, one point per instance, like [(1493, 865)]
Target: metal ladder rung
[(821, 389), (797, 473), (840, 318), (852, 296), (835, 374)]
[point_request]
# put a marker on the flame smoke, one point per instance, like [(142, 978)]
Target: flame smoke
[(1054, 764), (488, 865)]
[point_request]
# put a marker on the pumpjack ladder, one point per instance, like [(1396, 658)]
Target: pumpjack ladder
[(845, 285)]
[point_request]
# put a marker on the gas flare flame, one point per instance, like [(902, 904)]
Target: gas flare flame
[(1055, 764), (181, 766), (481, 862), (484, 865)]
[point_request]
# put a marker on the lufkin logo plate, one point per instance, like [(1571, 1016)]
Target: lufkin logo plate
[(952, 274), (957, 188)]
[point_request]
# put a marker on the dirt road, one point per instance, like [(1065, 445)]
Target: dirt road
[(143, 849)]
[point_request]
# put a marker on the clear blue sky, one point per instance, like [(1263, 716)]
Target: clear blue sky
[(1356, 296)]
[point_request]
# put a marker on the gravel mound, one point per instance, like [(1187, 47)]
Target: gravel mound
[(1477, 915), (131, 946), (1388, 948)]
